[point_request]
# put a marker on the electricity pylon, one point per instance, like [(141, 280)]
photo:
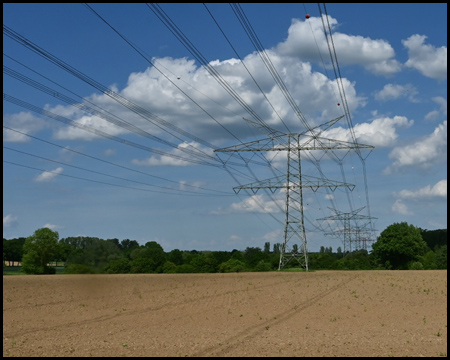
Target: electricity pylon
[(294, 181), (348, 230)]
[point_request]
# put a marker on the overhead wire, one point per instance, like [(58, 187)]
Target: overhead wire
[(272, 70), (196, 54), (336, 68), (241, 105), (92, 130), (107, 116), (268, 63), (65, 148), (123, 101), (178, 33), (246, 68), (260, 89), (145, 114), (180, 36), (151, 63), (35, 48), (173, 28), (95, 181)]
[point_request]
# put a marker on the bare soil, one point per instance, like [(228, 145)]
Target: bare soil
[(322, 313)]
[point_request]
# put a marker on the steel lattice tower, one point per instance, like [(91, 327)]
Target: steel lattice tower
[(294, 181), (348, 230)]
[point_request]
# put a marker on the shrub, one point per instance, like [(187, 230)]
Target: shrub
[(169, 267), (232, 265), (416, 265), (185, 268), (263, 266), (118, 266), (143, 265), (79, 269)]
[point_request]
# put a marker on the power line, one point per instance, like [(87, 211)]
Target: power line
[(168, 22), (151, 63), (239, 12), (145, 114), (73, 123), (107, 116), (114, 164), (339, 81), (96, 181), (53, 59), (246, 68), (173, 28)]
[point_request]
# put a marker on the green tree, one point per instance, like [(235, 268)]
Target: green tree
[(321, 261), (441, 257), (93, 252), (118, 266), (13, 249), (429, 261), (169, 267), (142, 265), (435, 238), (39, 249), (276, 248), (127, 245), (175, 256), (398, 245), (253, 255), (263, 266), (155, 252), (356, 260), (232, 265)]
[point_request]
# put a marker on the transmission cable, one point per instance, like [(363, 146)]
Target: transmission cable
[(237, 9), (167, 21), (100, 182), (114, 164), (336, 69), (151, 63), (157, 121), (107, 117), (73, 123)]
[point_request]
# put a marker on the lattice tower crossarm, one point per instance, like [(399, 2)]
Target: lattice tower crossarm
[(293, 182)]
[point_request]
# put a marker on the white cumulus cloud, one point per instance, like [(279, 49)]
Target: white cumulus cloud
[(400, 208), (423, 153), (49, 175), (256, 204), (381, 132), (393, 91), (438, 190), (25, 123), (376, 56), (186, 150), (52, 226), (427, 59), (442, 104), (9, 220)]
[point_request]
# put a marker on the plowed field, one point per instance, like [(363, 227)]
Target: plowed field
[(322, 313)]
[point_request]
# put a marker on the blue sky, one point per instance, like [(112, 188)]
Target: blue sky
[(162, 181)]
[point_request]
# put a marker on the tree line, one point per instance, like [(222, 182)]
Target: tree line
[(399, 246)]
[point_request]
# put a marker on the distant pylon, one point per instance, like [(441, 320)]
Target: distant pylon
[(350, 242), (293, 181)]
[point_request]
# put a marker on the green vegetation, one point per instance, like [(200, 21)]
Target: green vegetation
[(400, 246), (38, 250)]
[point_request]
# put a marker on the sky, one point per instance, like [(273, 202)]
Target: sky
[(110, 125)]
